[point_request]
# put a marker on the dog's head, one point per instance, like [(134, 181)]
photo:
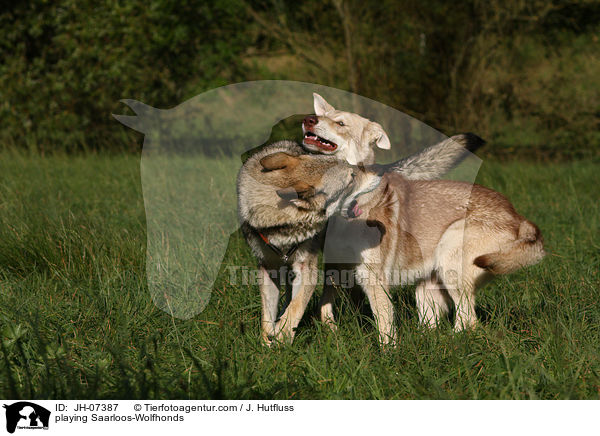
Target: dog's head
[(318, 183), (347, 135)]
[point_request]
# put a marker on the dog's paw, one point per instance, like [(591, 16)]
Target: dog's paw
[(388, 342), (465, 326), (330, 322), (284, 334), (332, 326)]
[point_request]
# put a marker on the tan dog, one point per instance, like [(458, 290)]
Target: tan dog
[(347, 135), (449, 237)]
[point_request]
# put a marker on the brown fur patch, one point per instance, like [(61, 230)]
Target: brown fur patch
[(483, 261), (278, 161)]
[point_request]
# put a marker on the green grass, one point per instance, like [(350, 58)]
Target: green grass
[(77, 320)]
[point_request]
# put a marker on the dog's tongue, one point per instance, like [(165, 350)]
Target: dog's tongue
[(356, 211)]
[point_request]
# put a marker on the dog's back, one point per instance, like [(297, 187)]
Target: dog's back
[(422, 212)]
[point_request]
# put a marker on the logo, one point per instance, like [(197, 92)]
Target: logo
[(26, 415)]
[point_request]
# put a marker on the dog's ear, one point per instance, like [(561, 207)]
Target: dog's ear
[(297, 194), (321, 106), (278, 161), (374, 133)]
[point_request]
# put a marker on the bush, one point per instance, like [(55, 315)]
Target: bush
[(521, 74)]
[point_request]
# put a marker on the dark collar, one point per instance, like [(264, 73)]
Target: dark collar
[(284, 256)]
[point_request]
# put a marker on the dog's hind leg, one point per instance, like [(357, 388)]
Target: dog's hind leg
[(269, 294), (464, 301), (473, 278), (432, 302), (458, 276)]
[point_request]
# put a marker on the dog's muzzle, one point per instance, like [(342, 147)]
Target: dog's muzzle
[(353, 210)]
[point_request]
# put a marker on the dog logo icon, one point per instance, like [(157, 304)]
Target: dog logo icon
[(26, 415)]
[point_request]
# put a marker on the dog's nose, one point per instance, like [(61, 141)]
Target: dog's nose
[(310, 120)]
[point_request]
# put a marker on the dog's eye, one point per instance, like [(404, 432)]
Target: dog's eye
[(341, 123)]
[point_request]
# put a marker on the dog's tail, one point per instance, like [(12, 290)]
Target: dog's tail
[(527, 249), (437, 160)]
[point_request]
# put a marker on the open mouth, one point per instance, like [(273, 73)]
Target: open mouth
[(353, 210), (311, 139)]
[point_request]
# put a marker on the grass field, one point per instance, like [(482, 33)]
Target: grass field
[(77, 320)]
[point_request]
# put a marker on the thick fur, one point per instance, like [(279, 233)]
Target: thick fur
[(510, 258), (437, 160), (450, 237), (280, 202)]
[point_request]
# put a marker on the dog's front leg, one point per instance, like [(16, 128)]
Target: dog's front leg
[(269, 294), (376, 288), (326, 306), (303, 287)]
